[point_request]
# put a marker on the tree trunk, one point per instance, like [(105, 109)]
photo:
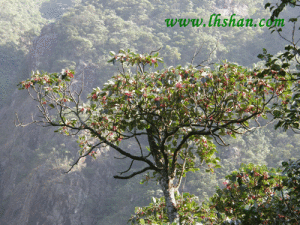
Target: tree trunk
[(169, 193)]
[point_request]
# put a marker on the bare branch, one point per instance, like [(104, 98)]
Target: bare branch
[(139, 145), (24, 125), (195, 54), (224, 144), (155, 51), (127, 169), (208, 58), (120, 158), (104, 140), (134, 174), (75, 163)]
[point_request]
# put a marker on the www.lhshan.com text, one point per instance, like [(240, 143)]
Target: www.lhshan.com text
[(215, 21)]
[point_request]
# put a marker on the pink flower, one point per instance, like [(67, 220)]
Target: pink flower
[(153, 60), (114, 128), (157, 99), (94, 96), (179, 85), (46, 78), (69, 74), (28, 85), (225, 183)]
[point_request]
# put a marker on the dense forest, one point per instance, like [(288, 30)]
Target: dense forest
[(78, 35)]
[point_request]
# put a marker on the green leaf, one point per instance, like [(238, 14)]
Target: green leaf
[(51, 105), (233, 135), (293, 19), (267, 5), (174, 142), (260, 56), (264, 117), (276, 113)]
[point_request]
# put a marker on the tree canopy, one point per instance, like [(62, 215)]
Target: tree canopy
[(179, 110)]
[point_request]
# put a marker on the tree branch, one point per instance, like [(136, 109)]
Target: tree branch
[(134, 174)]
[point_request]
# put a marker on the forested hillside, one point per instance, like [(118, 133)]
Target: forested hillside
[(54, 35)]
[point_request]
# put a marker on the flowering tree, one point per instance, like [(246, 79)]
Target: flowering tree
[(252, 195), (257, 195), (179, 110)]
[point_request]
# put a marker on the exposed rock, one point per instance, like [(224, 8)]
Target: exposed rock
[(42, 46)]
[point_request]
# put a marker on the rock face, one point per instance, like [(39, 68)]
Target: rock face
[(42, 46)]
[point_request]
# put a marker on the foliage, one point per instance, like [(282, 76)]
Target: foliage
[(20, 23), (257, 195), (288, 111), (89, 30), (252, 195), (155, 213), (276, 9)]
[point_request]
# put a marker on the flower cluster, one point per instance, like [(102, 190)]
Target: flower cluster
[(256, 195)]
